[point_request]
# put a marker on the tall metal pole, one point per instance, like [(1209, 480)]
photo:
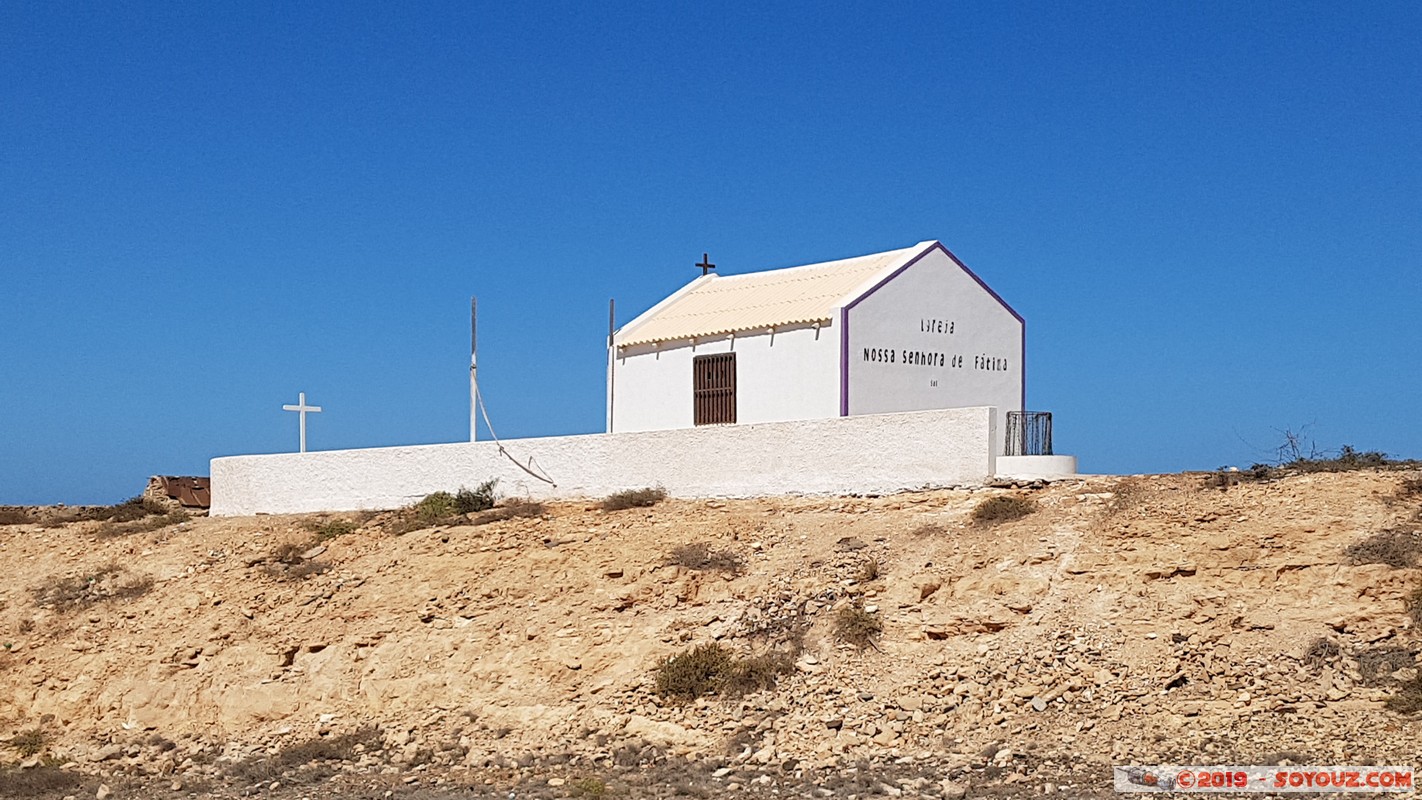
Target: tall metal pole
[(474, 371), (611, 359)]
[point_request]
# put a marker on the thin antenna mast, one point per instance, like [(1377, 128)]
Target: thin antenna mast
[(474, 371), (611, 359)]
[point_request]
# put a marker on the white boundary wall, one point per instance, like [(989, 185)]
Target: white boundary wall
[(870, 454)]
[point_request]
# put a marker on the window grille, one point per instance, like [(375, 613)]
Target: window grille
[(1029, 433), (714, 389)]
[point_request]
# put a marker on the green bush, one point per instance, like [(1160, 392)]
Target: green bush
[(1002, 508), (480, 499), (443, 508), (434, 508)]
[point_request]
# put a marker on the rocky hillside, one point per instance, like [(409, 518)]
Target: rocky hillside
[(1144, 620)]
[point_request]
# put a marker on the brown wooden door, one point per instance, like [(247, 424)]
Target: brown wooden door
[(714, 389)]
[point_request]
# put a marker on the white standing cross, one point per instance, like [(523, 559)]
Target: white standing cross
[(301, 408)]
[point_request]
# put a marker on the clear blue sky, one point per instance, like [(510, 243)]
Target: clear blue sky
[(1210, 214)]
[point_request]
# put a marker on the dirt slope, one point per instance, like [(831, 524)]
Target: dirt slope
[(1137, 620)]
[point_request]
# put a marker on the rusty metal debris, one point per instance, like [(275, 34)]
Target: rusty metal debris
[(189, 491)]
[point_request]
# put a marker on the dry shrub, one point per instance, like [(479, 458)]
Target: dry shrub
[(511, 509), (58, 518), (1376, 664), (781, 631), (1397, 549), (297, 572), (693, 673), (43, 781), (714, 669), (700, 557), (109, 530), (109, 582), (1003, 508), (288, 553), (29, 742), (299, 762), (634, 498), (1410, 488), (1293, 461), (930, 529), (1408, 697), (593, 788), (1322, 652), (130, 510), (853, 625), (14, 515), (1127, 495), (1414, 607), (1347, 460), (286, 562), (1225, 477), (758, 672), (330, 529), (868, 571), (332, 748)]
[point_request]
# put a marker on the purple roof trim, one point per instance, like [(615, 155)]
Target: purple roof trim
[(844, 323), (986, 288)]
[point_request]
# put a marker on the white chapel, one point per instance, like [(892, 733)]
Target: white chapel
[(905, 330)]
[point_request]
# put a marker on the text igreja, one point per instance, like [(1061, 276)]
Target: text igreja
[(924, 358), (944, 326)]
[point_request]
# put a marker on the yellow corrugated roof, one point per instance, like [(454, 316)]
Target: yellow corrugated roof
[(716, 305)]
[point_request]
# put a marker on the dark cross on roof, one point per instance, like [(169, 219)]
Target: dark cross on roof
[(706, 265)]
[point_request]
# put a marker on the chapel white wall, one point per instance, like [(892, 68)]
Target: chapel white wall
[(891, 322), (787, 375), (841, 455)]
